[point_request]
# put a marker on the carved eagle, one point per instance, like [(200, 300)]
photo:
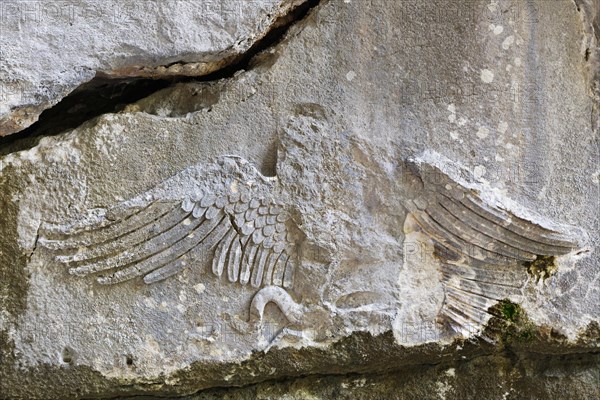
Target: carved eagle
[(230, 209)]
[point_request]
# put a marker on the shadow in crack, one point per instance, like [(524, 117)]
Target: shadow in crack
[(104, 95), (94, 98)]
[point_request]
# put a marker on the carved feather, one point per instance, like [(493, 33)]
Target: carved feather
[(482, 249), (238, 224)]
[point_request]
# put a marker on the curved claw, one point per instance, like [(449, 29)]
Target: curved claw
[(292, 310)]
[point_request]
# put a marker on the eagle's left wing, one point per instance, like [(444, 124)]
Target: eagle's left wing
[(483, 249)]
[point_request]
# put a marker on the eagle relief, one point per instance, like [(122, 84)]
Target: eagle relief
[(300, 199), (227, 220)]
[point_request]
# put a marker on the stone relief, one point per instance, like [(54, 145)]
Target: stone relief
[(485, 252), (356, 187), (230, 212), (228, 208)]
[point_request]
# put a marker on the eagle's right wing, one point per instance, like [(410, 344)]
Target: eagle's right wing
[(248, 233)]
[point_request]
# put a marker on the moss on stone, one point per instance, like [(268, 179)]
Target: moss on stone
[(510, 324), (542, 268), (510, 311)]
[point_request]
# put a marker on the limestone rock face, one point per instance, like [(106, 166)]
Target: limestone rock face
[(391, 184), (48, 49)]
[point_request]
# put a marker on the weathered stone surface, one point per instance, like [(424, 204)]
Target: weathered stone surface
[(487, 377), (48, 49), (436, 166)]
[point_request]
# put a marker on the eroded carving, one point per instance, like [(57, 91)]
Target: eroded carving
[(231, 210), (484, 251), (228, 208)]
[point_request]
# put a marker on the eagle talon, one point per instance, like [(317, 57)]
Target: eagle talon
[(292, 310)]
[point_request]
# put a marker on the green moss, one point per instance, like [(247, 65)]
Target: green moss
[(526, 335), (14, 282), (510, 324), (543, 267), (510, 311)]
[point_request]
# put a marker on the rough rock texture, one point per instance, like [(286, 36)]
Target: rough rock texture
[(48, 49), (486, 377), (393, 186)]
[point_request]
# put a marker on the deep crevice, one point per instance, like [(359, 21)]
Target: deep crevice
[(91, 99), (104, 94)]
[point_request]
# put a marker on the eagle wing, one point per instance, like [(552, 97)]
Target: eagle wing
[(248, 232), (483, 249)]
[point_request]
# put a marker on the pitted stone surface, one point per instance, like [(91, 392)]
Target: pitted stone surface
[(431, 168), (48, 49)]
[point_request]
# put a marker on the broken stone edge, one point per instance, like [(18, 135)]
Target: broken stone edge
[(26, 115), (359, 353)]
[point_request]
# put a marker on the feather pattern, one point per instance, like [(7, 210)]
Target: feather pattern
[(482, 249), (230, 226)]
